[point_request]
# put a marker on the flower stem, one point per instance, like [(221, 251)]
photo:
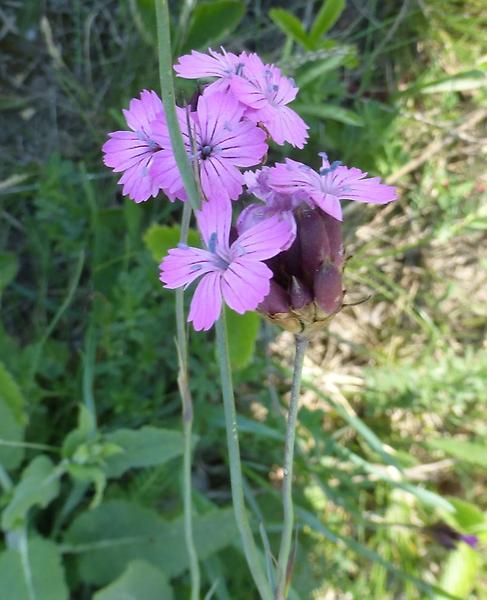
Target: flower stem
[(250, 549), (187, 414), (287, 497), (168, 100)]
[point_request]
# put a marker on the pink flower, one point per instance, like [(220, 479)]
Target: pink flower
[(273, 203), (223, 142), (222, 65), (333, 183), (266, 92), (233, 272), (133, 151)]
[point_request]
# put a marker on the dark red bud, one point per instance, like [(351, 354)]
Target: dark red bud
[(328, 288), (276, 301), (313, 238), (335, 241), (300, 294)]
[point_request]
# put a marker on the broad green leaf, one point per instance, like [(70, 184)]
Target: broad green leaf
[(38, 486), (467, 516), (9, 265), (143, 447), (242, 336), (291, 26), (140, 581), (460, 572), (107, 538), (12, 420), (160, 238), (328, 111), (327, 16), (211, 22), (467, 451), (47, 573)]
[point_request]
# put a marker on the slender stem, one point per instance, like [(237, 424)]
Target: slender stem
[(185, 169), (287, 491), (187, 413), (168, 99), (250, 549)]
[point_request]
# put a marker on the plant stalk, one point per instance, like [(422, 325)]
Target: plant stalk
[(168, 100), (185, 169), (187, 416), (250, 548), (287, 485)]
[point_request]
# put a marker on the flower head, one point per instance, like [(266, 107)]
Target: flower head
[(223, 65), (333, 183), (233, 272), (273, 203), (266, 93), (223, 142), (448, 537), (133, 151)]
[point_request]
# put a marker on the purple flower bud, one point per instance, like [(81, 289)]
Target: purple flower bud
[(335, 241), (276, 301), (313, 237), (300, 294), (448, 537), (328, 288)]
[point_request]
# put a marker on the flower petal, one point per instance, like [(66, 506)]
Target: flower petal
[(265, 239), (214, 221), (183, 265), (245, 283), (141, 112), (206, 304)]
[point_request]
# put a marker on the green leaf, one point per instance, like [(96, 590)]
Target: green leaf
[(12, 420), (38, 486), (211, 22), (328, 111), (324, 66), (140, 581), (291, 26), (467, 451), (466, 516), (460, 572), (242, 336), (461, 82), (117, 532), (160, 238), (327, 16), (47, 573), (143, 447), (9, 265)]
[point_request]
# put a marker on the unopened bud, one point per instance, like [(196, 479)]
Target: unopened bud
[(276, 301), (313, 237), (328, 289), (335, 240), (300, 294)]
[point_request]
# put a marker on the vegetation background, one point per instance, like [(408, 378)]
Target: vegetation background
[(391, 441)]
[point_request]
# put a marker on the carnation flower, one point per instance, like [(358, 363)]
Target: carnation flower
[(273, 203), (266, 92), (232, 272), (333, 183), (223, 142), (133, 151), (222, 65)]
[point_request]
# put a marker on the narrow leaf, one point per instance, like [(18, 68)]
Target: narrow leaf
[(242, 336), (140, 581), (327, 16), (291, 26)]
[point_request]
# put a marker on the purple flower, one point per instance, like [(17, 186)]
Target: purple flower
[(233, 272), (448, 537), (223, 142), (333, 183), (222, 65), (273, 203), (266, 92), (133, 151)]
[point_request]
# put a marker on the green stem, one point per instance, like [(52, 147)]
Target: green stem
[(168, 99), (287, 486), (250, 549), (187, 413), (185, 169)]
